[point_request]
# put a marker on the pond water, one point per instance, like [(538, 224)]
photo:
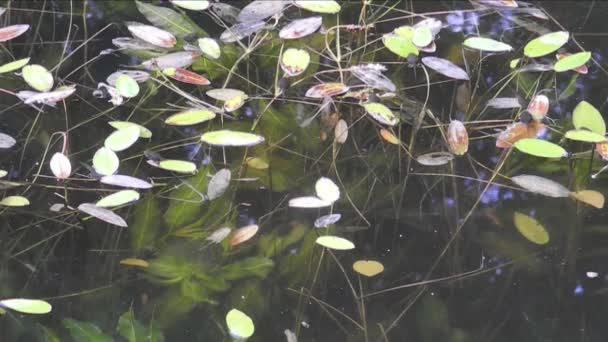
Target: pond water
[(464, 250)]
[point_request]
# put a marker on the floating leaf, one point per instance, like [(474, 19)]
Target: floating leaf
[(371, 75), (341, 132), (389, 137), (14, 65), (209, 47), (327, 190), (27, 306), (105, 161), (241, 30), (540, 148), (546, 44), (431, 23), (531, 229), (260, 10), (102, 214), (585, 116), (581, 69), (518, 131), (153, 35), (231, 138), (218, 184), (458, 138), (538, 107), (445, 67), (138, 75), (435, 158), (6, 141), (294, 61), (257, 163), (239, 324), (243, 234), (584, 135), (591, 197), (541, 185), (170, 20), (504, 103), (486, 44), (300, 28), (186, 76), (368, 268), (381, 113), (602, 150), (10, 32), (3, 173), (37, 77), (14, 201), (323, 90), (122, 138), (334, 242), (422, 36), (135, 262), (127, 86), (181, 59), (60, 166), (225, 94), (135, 44), (219, 235), (190, 117), (118, 198), (327, 220), (193, 5), (399, 45), (143, 131), (125, 182), (319, 6), (308, 202), (49, 98), (572, 62)]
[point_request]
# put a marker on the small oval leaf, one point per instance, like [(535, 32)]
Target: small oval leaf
[(381, 113), (294, 61), (486, 44), (181, 166), (153, 35), (308, 202), (218, 184), (335, 242), (435, 158), (14, 201), (105, 161), (209, 47), (572, 62), (27, 306), (10, 32), (546, 44), (591, 197), (118, 198), (585, 116), (14, 65), (445, 67), (143, 131), (125, 181), (399, 45), (541, 185), (327, 190), (239, 325), (102, 214), (531, 229), (584, 135), (37, 77), (231, 138), (122, 138), (190, 117), (60, 166), (540, 148), (127, 86), (319, 6), (368, 268)]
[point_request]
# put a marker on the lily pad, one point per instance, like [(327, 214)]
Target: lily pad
[(122, 138), (319, 6), (14, 201), (239, 325), (531, 229), (27, 306), (327, 220), (591, 197), (153, 35), (127, 86), (125, 181), (105, 161), (218, 184), (231, 138), (381, 113), (294, 61), (209, 47), (308, 202), (399, 45), (585, 116), (422, 36), (118, 198), (190, 117), (540, 148), (572, 62), (486, 44), (193, 5), (143, 131), (181, 166), (584, 135), (368, 268), (300, 28), (37, 77), (14, 65), (10, 32), (6, 141), (546, 44), (327, 190), (60, 166), (260, 9), (335, 242), (329, 89)]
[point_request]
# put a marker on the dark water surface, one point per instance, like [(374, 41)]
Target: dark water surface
[(456, 267)]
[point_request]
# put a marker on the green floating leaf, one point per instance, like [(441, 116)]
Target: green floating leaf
[(546, 44), (85, 332), (143, 131), (209, 47), (334, 242), (572, 62), (486, 44), (118, 198), (14, 201), (193, 5), (381, 113), (105, 161), (319, 6), (122, 138), (540, 148), (180, 166), (422, 36), (190, 117), (14, 65), (239, 324), (37, 77), (231, 138), (178, 24), (127, 86), (531, 229), (368, 268), (399, 45), (294, 61), (585, 136), (27, 306), (585, 116)]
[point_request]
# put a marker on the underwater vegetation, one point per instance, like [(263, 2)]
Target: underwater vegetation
[(303, 171)]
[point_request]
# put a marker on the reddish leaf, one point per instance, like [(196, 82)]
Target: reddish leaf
[(186, 76), (10, 32), (518, 131)]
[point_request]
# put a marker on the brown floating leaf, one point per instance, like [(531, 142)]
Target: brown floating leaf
[(368, 268), (591, 197), (153, 35), (538, 107), (14, 31), (243, 234), (326, 90), (458, 138), (300, 28), (102, 214), (186, 76), (602, 150), (518, 131), (60, 166), (389, 137), (182, 59), (134, 262)]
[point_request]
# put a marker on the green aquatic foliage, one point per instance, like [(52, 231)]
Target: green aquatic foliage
[(381, 113), (335, 242), (118, 198), (14, 201), (134, 331), (14, 65), (399, 45), (122, 138), (190, 117), (258, 267), (240, 325), (572, 62), (26, 306), (180, 166), (540, 148), (105, 161), (85, 331), (231, 138), (37, 77), (584, 135), (531, 229), (319, 6), (143, 131), (127, 86), (585, 116), (486, 44), (168, 19), (210, 48), (546, 44)]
